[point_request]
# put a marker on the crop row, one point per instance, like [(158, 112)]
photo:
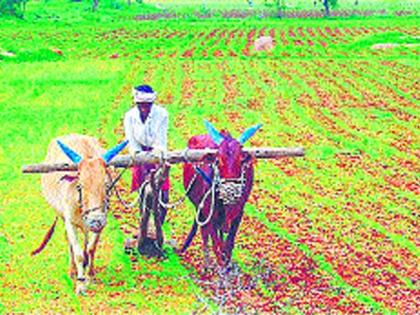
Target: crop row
[(205, 43), (336, 225)]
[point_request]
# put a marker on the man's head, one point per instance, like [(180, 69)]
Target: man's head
[(144, 96)]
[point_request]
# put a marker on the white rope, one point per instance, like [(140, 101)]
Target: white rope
[(212, 190), (180, 200), (205, 222), (143, 200)]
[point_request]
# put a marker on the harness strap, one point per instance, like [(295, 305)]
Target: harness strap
[(199, 171), (180, 200), (87, 211)]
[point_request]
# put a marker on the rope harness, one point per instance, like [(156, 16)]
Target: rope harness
[(227, 190), (142, 197), (107, 195), (87, 211), (212, 191)]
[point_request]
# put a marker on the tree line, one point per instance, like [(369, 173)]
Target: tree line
[(281, 5), (17, 7)]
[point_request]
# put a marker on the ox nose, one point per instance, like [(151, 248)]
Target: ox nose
[(97, 224)]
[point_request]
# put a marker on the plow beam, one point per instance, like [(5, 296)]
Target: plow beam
[(172, 157)]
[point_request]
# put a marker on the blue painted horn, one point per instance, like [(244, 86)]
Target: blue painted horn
[(214, 134), (76, 158), (247, 134), (111, 153)]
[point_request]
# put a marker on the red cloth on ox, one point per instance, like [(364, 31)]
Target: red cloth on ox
[(139, 174)]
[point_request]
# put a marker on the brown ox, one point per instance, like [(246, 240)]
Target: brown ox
[(81, 199), (221, 190)]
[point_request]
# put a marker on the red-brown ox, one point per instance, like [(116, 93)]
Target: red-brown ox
[(81, 199), (219, 190)]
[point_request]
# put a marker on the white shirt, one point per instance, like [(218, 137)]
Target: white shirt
[(152, 133)]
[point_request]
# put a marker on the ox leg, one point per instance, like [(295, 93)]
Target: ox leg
[(217, 244), (93, 243), (157, 217), (230, 240), (158, 225), (85, 253), (72, 265), (190, 237), (143, 228), (79, 257), (205, 237), (163, 210)]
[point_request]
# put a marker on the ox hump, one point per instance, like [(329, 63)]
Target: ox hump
[(202, 142)]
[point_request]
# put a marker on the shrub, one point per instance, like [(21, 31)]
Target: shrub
[(13, 7)]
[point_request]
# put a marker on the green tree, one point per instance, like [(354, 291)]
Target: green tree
[(280, 5), (328, 4), (13, 7)]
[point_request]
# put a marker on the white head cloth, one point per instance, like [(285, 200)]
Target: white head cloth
[(143, 97)]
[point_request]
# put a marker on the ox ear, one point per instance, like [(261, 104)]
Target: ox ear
[(247, 134), (111, 153), (214, 134), (76, 158)]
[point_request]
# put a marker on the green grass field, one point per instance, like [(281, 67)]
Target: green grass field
[(335, 232)]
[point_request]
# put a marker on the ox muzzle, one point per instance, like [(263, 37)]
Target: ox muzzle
[(94, 219)]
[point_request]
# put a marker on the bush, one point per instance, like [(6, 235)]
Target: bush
[(13, 7)]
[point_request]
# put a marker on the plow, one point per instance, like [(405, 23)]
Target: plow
[(149, 200)]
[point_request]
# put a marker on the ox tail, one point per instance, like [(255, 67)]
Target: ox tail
[(46, 239), (190, 237)]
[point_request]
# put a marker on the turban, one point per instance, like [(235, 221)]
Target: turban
[(143, 97)]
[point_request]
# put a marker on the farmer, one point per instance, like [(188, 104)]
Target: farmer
[(146, 129)]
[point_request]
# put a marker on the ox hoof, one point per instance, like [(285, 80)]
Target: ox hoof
[(81, 289), (179, 251), (129, 246), (92, 279)]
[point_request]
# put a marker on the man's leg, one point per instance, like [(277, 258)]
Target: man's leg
[(163, 210)]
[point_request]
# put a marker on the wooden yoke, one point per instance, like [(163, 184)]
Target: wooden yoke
[(172, 157)]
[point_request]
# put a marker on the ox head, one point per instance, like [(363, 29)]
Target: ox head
[(92, 182), (230, 154)]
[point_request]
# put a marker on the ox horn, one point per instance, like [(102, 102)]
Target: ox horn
[(214, 134), (76, 158), (244, 137), (111, 153)]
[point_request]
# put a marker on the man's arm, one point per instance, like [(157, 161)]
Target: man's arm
[(161, 142), (133, 146)]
